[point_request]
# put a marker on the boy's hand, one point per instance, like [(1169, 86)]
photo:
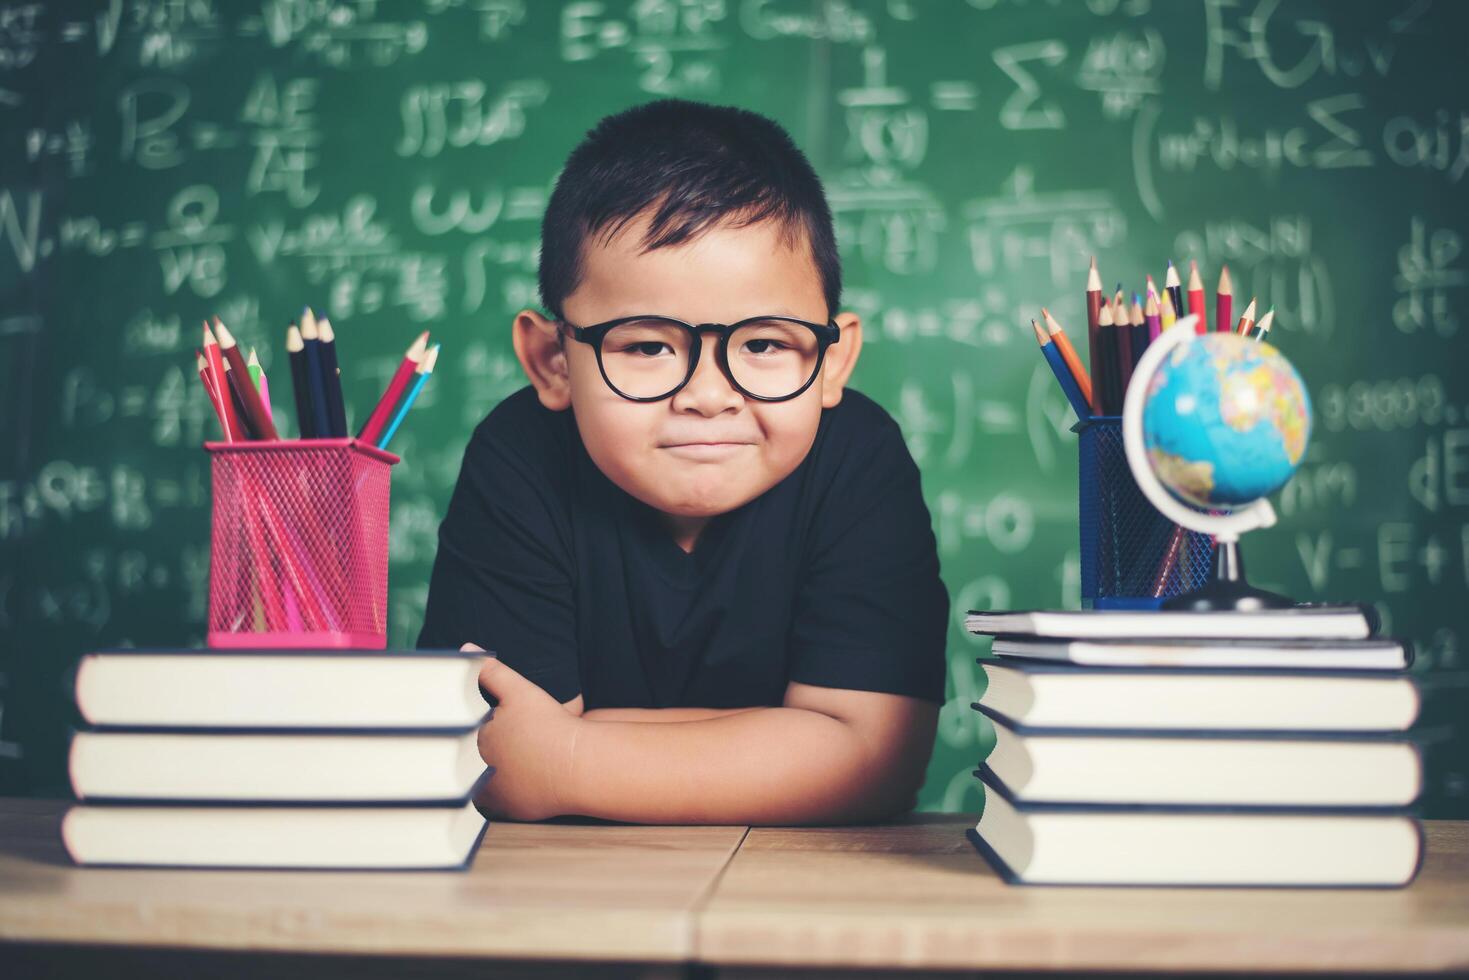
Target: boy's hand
[(530, 739)]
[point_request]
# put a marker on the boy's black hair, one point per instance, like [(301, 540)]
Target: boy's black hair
[(696, 165)]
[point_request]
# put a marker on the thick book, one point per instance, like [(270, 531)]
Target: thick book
[(281, 689), (1374, 654), (1039, 844), (1301, 622), (278, 767), (1203, 768), (360, 838), (1041, 694)]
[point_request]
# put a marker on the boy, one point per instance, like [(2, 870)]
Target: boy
[(711, 585)]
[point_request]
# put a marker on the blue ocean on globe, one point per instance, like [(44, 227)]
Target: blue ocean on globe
[(1225, 421)]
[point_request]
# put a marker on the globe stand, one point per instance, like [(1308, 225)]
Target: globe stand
[(1228, 591)]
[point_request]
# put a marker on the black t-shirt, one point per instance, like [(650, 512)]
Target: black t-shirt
[(831, 577)]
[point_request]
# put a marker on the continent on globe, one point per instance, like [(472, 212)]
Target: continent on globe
[(1225, 421)]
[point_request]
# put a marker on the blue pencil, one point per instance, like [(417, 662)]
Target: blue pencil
[(425, 368), (315, 380), (1062, 373)]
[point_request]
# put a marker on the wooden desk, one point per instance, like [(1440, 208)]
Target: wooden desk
[(640, 901), (919, 896), (535, 891)]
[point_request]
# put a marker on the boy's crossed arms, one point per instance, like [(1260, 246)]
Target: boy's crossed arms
[(825, 755)]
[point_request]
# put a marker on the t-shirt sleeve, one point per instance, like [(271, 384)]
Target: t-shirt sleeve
[(872, 613), (502, 576)]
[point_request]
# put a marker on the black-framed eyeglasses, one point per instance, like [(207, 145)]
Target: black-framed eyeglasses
[(647, 358)]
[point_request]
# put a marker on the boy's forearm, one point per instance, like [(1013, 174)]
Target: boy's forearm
[(758, 766), (662, 714)]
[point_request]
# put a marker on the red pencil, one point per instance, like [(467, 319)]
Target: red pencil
[(1223, 302), (212, 392), (1196, 297), (234, 429), (255, 411), (381, 412), (1246, 320), (1093, 346)]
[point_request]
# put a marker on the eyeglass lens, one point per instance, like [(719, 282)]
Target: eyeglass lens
[(768, 358)]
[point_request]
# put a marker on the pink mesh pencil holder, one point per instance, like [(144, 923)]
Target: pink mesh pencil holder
[(299, 544)]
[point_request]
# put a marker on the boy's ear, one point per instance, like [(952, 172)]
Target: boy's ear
[(841, 358), (539, 347)]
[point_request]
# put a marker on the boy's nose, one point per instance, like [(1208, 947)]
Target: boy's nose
[(708, 392)]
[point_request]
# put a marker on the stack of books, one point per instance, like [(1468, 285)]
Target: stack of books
[(1180, 748), (277, 759)]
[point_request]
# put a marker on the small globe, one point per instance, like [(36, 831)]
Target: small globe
[(1225, 421)]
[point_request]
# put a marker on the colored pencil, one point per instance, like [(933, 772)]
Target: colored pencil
[(1223, 302), (1068, 354), (1196, 296), (234, 431), (262, 383), (1166, 316), (231, 393), (1093, 346), (1246, 320), (296, 351), (1154, 318), (1122, 325), (1175, 288), (331, 379), (1262, 329), (1063, 373), (212, 392), (240, 376), (1169, 562), (424, 371), (1107, 346), (1137, 334), (373, 427), (1152, 287), (320, 419)]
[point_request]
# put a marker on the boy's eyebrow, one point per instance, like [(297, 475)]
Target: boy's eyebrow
[(778, 311)]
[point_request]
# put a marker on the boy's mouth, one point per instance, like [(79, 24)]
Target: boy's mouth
[(705, 450)]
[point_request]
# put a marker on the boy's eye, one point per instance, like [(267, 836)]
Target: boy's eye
[(764, 345), (648, 348)]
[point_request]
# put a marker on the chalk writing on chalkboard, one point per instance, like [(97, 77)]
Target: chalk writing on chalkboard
[(390, 165)]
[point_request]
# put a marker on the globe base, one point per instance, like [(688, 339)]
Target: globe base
[(1228, 592)]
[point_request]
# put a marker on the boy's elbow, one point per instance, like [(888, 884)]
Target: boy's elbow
[(887, 781)]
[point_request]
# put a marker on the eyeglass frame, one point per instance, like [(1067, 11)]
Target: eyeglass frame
[(826, 335)]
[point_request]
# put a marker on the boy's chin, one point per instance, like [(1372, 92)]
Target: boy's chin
[(705, 507), (702, 501)]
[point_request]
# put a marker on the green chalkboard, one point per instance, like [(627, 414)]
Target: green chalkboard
[(388, 164)]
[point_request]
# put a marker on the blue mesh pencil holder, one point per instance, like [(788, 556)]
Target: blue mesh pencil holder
[(1132, 557)]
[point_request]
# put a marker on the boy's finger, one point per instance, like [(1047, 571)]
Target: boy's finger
[(499, 681), (471, 648)]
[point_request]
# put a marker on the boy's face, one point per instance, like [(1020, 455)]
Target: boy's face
[(707, 449)]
